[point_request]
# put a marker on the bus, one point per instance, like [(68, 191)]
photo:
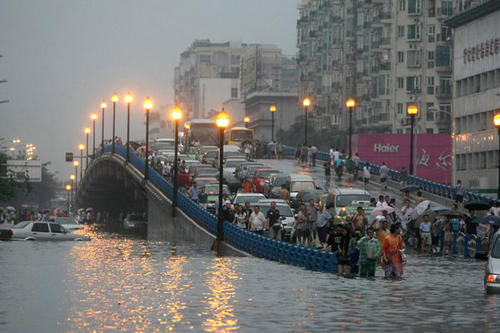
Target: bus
[(238, 135), (204, 131)]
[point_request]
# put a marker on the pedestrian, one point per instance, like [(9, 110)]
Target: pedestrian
[(322, 224), (354, 250), (312, 213), (203, 198), (239, 216), (336, 154), (193, 192), (470, 226), (436, 229), (328, 174), (448, 235), (381, 202), (359, 220), (369, 253), (284, 193), (403, 176), (246, 186), (301, 225), (383, 232), (356, 161), (392, 253), (384, 172), (459, 192), (339, 168), (274, 222), (314, 151), (339, 242), (248, 212), (406, 214), (280, 150), (419, 198), (425, 234), (228, 214), (366, 174), (257, 221)]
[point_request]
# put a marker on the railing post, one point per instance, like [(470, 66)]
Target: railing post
[(454, 246), (466, 246)]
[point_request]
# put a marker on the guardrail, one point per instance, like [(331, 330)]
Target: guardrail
[(463, 244), (439, 189), (257, 245)]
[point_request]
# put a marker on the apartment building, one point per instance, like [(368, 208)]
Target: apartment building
[(385, 54)]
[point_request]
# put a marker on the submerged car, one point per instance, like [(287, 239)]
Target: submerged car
[(492, 271), (68, 222), (38, 230), (135, 221)]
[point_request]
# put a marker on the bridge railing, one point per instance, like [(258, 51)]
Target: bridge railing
[(443, 190), (257, 245)]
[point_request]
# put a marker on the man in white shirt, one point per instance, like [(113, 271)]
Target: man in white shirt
[(381, 201), (257, 221), (406, 213), (336, 154)]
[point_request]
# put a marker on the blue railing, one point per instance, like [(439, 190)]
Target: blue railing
[(439, 189), (257, 245)]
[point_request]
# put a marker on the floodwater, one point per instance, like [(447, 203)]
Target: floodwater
[(121, 283)]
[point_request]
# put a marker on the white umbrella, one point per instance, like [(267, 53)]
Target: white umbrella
[(421, 207), (10, 208), (380, 210)]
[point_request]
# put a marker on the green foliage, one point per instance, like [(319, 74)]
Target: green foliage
[(323, 139)]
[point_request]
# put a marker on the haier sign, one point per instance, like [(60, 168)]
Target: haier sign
[(432, 153)]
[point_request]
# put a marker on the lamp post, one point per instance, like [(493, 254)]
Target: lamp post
[(87, 132), (68, 191), (93, 117), (412, 112), (75, 163), (114, 99), (148, 105), (496, 121), (176, 116), (81, 147), (350, 103), (272, 108), (128, 100), (306, 103), (72, 177), (222, 122), (247, 121), (103, 106)]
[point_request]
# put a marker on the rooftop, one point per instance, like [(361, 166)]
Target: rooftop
[(481, 9)]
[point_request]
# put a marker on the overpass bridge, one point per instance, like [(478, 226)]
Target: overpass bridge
[(112, 184)]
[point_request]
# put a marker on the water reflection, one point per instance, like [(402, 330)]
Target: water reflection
[(219, 279)]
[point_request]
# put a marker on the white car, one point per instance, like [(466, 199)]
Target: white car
[(40, 230), (241, 198), (69, 223), (492, 270), (287, 216)]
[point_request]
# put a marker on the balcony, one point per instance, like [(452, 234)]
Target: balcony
[(413, 65), (443, 69), (443, 92), (386, 66), (443, 13)]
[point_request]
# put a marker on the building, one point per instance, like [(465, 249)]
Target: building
[(476, 98), (160, 125), (208, 74), (387, 55), (268, 78)]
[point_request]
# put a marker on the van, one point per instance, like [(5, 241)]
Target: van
[(298, 182)]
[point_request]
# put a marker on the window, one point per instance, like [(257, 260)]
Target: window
[(430, 85), (430, 59), (447, 8), (429, 130), (442, 56), (401, 57), (56, 228), (412, 83), (413, 31), (432, 33), (401, 83), (235, 59), (430, 111), (402, 5), (205, 58), (40, 227), (400, 108), (234, 92), (413, 6), (401, 31), (413, 58)]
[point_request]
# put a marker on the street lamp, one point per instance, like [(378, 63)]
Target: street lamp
[(247, 121), (114, 99), (496, 121), (103, 106), (75, 163), (222, 122), (81, 147), (128, 100), (412, 112), (93, 117), (87, 132), (273, 110), (148, 105), (68, 191), (350, 103), (176, 116), (306, 103), (72, 177), (187, 127)]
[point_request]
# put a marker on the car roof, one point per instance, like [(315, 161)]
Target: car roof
[(278, 201), (249, 194), (348, 190), (299, 176)]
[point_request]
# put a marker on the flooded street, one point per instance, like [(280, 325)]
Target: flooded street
[(118, 283)]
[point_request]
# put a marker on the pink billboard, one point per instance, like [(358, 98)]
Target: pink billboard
[(432, 153)]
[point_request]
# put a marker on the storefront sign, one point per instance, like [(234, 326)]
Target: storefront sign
[(482, 50)]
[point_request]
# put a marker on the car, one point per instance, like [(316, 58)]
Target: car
[(241, 198), (207, 172), (272, 187), (212, 190), (303, 197), (245, 165), (492, 269), (350, 196), (347, 212), (259, 178), (278, 201), (299, 182), (135, 221), (42, 230), (202, 181), (231, 164), (163, 144), (286, 215), (68, 222)]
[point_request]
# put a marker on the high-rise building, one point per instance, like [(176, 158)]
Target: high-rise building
[(385, 54)]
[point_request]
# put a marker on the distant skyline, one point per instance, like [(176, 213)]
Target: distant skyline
[(62, 57)]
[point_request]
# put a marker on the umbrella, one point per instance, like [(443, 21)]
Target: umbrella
[(452, 213), (410, 188), (477, 205), (379, 210), (143, 148), (487, 219), (421, 207), (10, 208), (88, 209)]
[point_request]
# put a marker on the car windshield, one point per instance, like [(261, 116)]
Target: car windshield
[(302, 186), (213, 189), (278, 181), (210, 172), (495, 251), (241, 135), (265, 173), (283, 209), (248, 198), (65, 220), (212, 154), (309, 196), (348, 199), (21, 225)]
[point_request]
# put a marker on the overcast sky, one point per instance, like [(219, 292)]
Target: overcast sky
[(62, 57)]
